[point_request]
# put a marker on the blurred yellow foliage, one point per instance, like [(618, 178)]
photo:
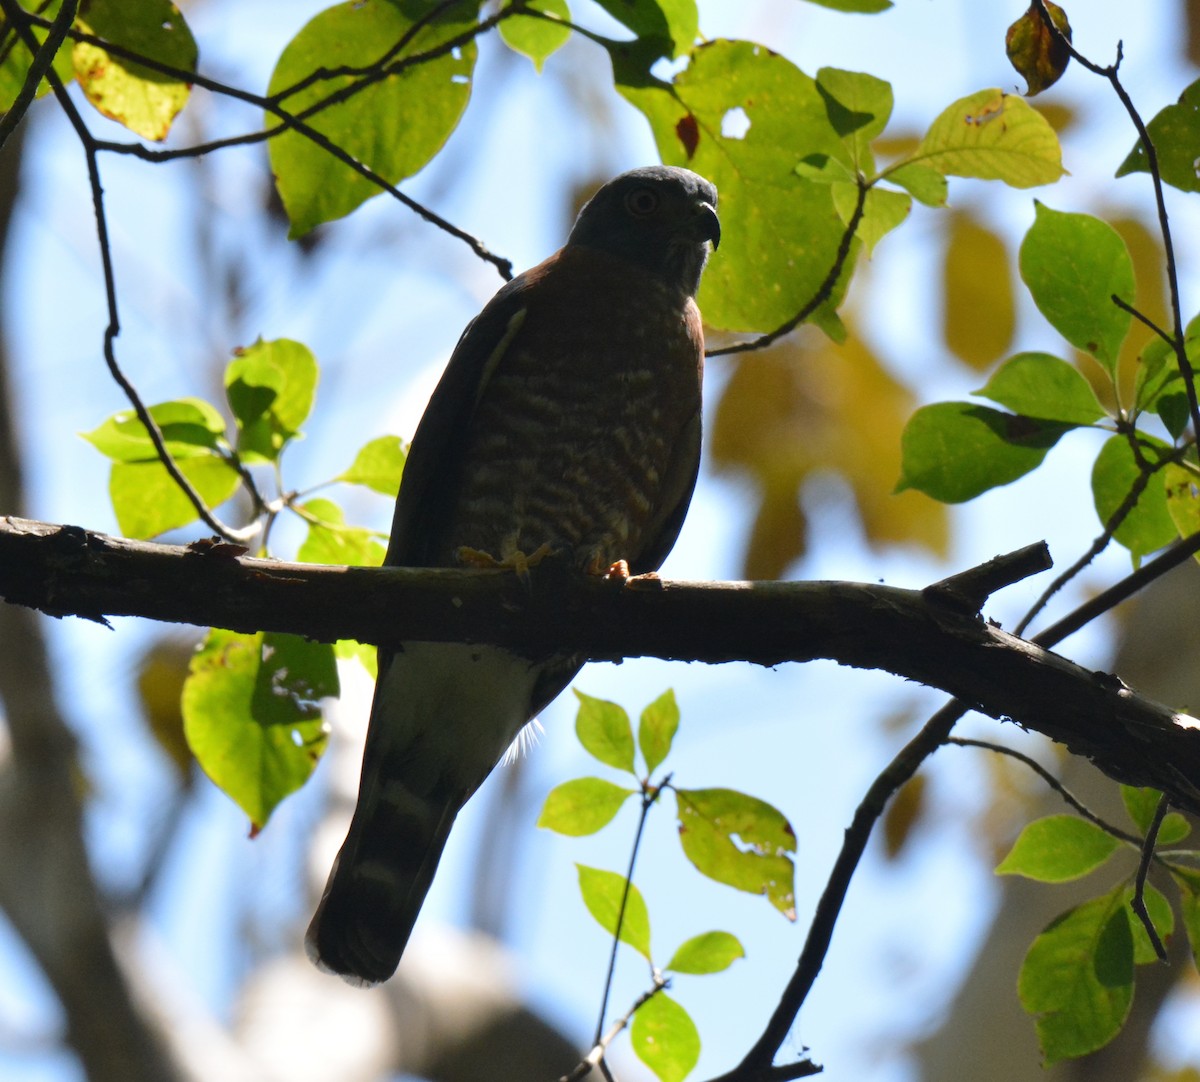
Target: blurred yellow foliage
[(807, 406)]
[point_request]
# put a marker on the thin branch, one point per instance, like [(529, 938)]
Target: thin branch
[(1138, 902), (649, 798), (1101, 542), (823, 293), (1068, 797), (14, 14), (1111, 73), (43, 57), (595, 1056), (1144, 319), (297, 123)]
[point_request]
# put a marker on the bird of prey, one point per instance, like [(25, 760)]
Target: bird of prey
[(567, 423)]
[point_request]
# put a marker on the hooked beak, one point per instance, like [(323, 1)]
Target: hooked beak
[(708, 225)]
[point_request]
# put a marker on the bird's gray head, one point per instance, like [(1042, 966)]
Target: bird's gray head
[(660, 217)]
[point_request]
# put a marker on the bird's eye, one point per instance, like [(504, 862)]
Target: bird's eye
[(641, 202)]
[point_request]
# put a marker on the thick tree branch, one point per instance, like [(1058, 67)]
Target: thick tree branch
[(65, 570)]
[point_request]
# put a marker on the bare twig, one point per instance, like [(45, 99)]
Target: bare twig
[(1138, 902), (595, 1057), (19, 21), (42, 59), (1068, 797)]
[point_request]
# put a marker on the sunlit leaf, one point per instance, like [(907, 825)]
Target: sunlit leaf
[(331, 541), (665, 1038), (1058, 849), (144, 100), (860, 7), (582, 806), (741, 841), (993, 136), (270, 387), (604, 729), (711, 952), (922, 182), (602, 894), (395, 125), (190, 427), (252, 716), (148, 502), (537, 38), (1182, 486), (1046, 387), (1077, 979), (780, 232), (1073, 265), (656, 729), (378, 465)]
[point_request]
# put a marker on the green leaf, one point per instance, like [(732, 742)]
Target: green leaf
[(670, 25), (604, 729), (145, 101), (859, 107), (362, 652), (740, 841), (780, 232), (991, 135), (582, 806), (1058, 849), (1159, 387), (1148, 527), (1175, 133), (394, 126), (190, 428), (882, 211), (711, 952), (378, 465), (15, 59), (1182, 487), (1077, 978), (251, 714), (602, 893), (1142, 806), (1161, 916), (656, 729), (537, 38), (860, 7), (1073, 265), (1046, 387), (270, 387), (665, 1038), (331, 541), (922, 182), (953, 451), (147, 501)]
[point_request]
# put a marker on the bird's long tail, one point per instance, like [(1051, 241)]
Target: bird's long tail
[(443, 715)]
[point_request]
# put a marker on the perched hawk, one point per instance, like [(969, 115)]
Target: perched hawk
[(567, 422)]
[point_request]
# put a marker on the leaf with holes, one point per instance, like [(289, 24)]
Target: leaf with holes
[(740, 841), (252, 716)]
